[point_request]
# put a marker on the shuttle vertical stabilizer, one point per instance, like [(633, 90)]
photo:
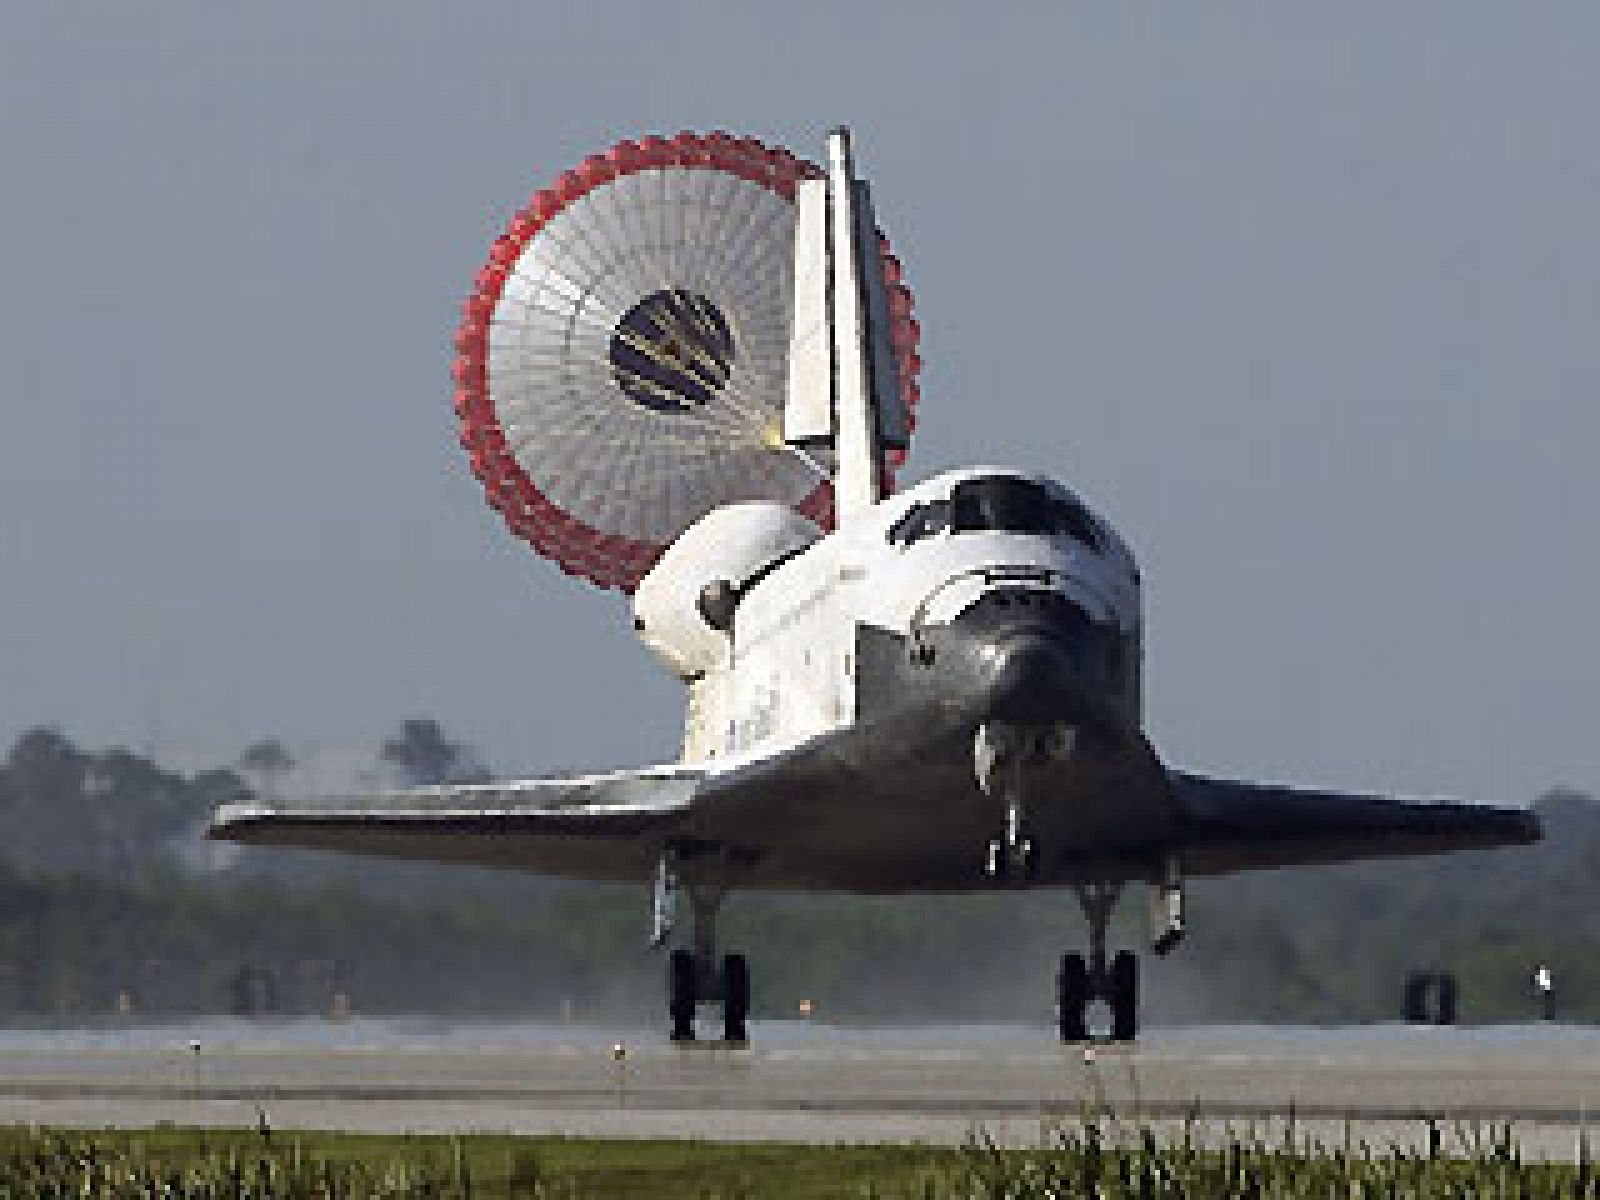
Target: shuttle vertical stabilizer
[(844, 395)]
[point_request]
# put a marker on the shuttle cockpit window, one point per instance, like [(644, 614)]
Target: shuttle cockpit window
[(1009, 505), (922, 521)]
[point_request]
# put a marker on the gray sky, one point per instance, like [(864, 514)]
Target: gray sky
[(1304, 298)]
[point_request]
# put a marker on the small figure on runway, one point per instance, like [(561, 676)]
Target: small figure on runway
[(1544, 985)]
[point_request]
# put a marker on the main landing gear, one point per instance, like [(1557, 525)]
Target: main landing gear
[(1081, 982), (695, 977)]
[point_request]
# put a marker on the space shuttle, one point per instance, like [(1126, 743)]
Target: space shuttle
[(942, 693)]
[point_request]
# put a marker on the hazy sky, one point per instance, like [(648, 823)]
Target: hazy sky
[(1305, 298)]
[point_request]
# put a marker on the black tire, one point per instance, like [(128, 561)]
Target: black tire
[(1449, 1010), (1124, 997), (1414, 1005), (735, 998), (681, 994), (1072, 999)]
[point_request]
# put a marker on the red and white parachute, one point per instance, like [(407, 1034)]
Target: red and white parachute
[(622, 358)]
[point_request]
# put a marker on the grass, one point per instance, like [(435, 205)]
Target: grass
[(1087, 1159), (291, 1165)]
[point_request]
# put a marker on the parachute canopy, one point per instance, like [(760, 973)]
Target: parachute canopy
[(622, 357)]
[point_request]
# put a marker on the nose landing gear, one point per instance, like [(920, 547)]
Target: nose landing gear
[(1001, 753), (695, 977), (1014, 855)]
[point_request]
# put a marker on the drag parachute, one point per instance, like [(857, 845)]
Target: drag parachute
[(622, 358)]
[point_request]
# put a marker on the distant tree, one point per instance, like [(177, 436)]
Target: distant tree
[(129, 808), (424, 755), (267, 760), (45, 760), (1564, 803), (44, 803), (107, 814)]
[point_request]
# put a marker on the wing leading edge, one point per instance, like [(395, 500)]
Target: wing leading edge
[(1232, 825), (591, 827)]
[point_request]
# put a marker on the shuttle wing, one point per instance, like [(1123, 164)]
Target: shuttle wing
[(593, 826), (1231, 825), (817, 800)]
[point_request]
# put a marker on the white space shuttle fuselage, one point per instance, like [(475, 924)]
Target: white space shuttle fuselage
[(783, 660)]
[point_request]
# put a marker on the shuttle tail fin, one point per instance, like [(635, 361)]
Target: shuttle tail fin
[(844, 402)]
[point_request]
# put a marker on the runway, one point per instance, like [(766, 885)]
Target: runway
[(800, 1082)]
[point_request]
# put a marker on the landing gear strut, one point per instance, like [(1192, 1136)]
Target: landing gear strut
[(695, 977), (1001, 755), (1014, 855), (1080, 983)]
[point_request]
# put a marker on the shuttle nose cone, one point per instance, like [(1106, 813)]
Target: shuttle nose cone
[(1030, 677)]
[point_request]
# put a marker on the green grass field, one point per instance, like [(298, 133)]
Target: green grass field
[(1078, 1160), (206, 1163)]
